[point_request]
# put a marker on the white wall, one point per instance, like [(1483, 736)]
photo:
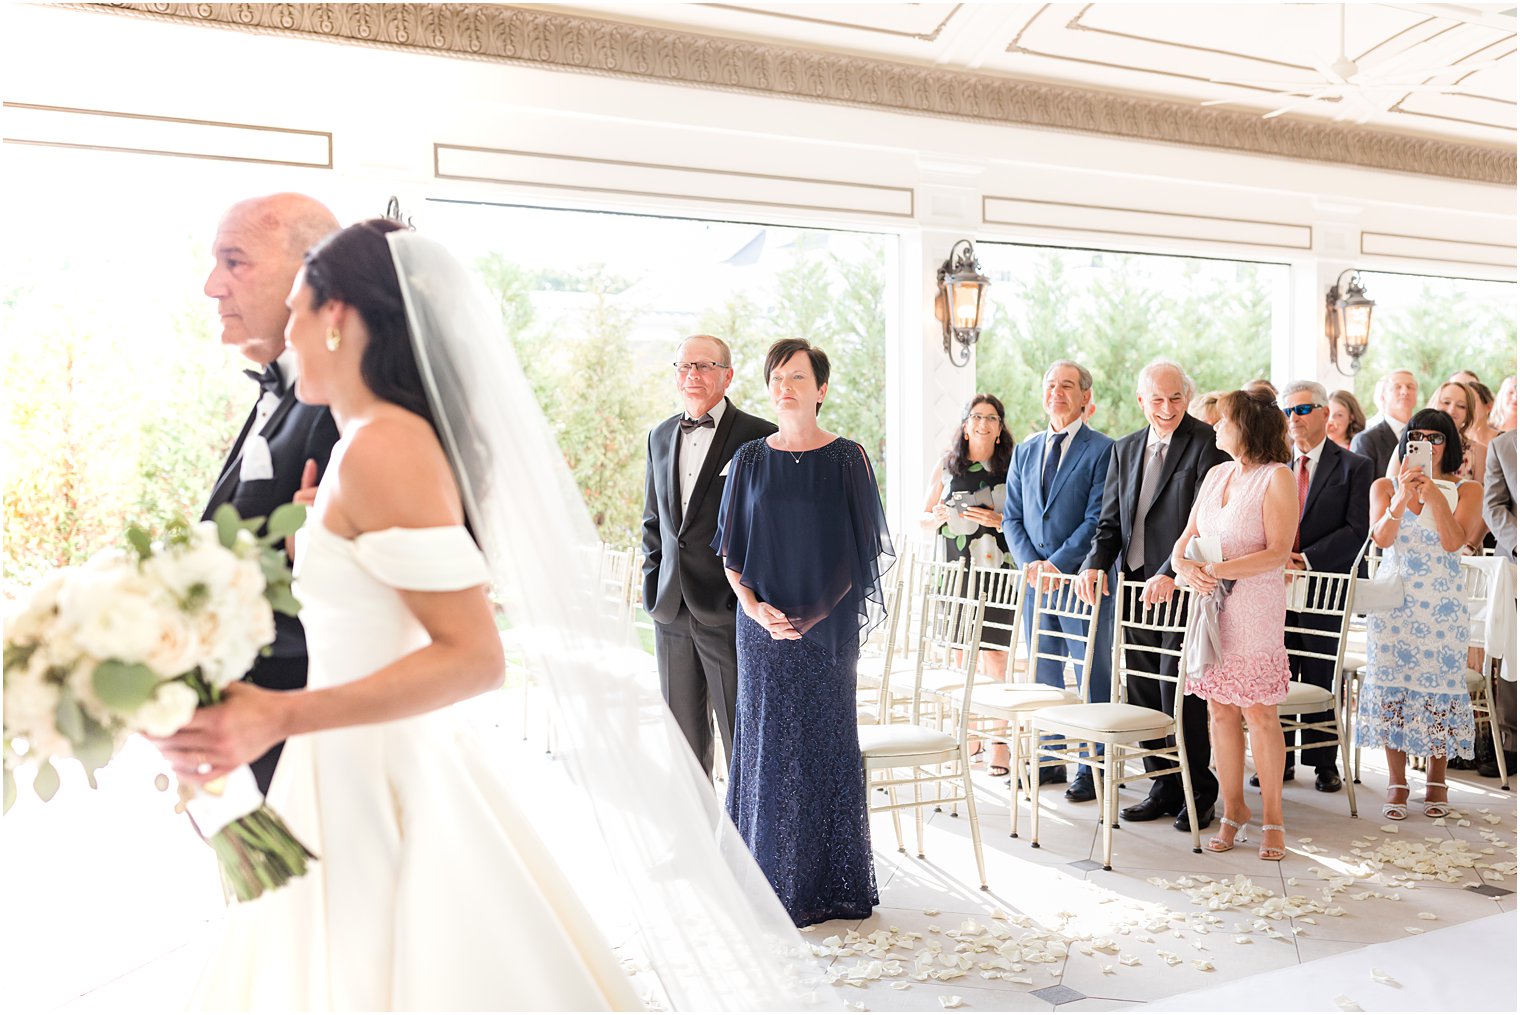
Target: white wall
[(400, 122)]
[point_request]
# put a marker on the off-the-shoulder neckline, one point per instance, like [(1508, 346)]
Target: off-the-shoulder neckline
[(319, 527)]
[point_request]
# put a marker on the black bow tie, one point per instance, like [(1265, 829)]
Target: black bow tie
[(688, 424), (270, 379)]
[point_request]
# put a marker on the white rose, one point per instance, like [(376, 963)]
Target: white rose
[(29, 620), (178, 650), (31, 708), (203, 562), (171, 706), (111, 612)]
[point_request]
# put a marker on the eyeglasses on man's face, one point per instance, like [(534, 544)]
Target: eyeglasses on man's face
[(701, 366), (977, 418), (1435, 438), (1302, 410)]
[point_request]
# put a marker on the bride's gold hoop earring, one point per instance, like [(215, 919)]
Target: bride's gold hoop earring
[(333, 339)]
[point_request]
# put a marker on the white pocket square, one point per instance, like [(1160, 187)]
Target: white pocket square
[(724, 471), (256, 462)]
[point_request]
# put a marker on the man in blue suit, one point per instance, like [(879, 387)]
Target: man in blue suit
[(1054, 499)]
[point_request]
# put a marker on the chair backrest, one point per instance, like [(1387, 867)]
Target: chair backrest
[(1475, 593), (1057, 597), (926, 575), (641, 621), (1000, 588), (949, 637), (894, 612), (1321, 594), (1168, 617)]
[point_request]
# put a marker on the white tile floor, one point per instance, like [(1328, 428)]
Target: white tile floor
[(1049, 909), (1051, 894)]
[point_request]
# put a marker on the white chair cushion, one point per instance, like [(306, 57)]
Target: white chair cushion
[(1020, 697), (865, 718), (903, 738), (1106, 717), (1305, 697), (1353, 661), (1474, 680)]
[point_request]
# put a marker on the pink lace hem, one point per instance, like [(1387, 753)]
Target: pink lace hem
[(1260, 678)]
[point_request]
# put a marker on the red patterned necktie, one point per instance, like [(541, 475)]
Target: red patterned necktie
[(1303, 495)]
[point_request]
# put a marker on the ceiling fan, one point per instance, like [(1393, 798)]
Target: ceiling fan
[(1361, 92)]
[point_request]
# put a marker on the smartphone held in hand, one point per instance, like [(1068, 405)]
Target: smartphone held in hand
[(1420, 455)]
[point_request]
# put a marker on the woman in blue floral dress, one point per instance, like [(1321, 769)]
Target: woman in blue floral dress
[(1414, 698)]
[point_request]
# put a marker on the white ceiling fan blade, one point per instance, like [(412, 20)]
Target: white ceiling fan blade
[(1322, 93), (1283, 85), (1331, 74)]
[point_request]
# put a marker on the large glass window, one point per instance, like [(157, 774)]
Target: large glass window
[(1436, 326), (1113, 312), (597, 303)]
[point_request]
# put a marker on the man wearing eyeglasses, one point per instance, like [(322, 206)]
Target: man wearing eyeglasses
[(685, 590), (1333, 490)]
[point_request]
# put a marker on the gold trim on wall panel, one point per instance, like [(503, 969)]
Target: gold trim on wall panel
[(1433, 248), (146, 134), (1167, 225), (648, 179), (536, 38)]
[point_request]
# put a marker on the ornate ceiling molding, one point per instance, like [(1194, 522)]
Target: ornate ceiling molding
[(543, 39)]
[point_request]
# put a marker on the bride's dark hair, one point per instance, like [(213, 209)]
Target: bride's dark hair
[(355, 265)]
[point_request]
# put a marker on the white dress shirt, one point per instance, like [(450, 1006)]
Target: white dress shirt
[(1070, 430), (694, 448)]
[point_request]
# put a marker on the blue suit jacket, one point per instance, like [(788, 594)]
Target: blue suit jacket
[(1058, 528)]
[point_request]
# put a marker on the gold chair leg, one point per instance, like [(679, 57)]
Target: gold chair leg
[(976, 826)]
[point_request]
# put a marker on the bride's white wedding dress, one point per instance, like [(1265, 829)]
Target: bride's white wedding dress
[(431, 890)]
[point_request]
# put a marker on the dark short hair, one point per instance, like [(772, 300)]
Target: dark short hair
[(1353, 409), (958, 458), (1436, 419), (354, 265), (1262, 425), (789, 347)]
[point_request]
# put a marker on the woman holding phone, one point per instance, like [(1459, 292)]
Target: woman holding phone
[(965, 506), (1414, 698)]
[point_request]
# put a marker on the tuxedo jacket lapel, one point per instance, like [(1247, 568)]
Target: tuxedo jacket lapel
[(222, 492), (717, 451)]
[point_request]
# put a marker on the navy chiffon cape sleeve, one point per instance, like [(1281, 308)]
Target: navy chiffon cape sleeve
[(808, 534)]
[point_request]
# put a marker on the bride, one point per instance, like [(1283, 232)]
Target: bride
[(432, 890)]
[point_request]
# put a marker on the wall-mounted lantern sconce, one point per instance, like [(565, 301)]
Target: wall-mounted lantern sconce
[(1348, 320), (961, 303)]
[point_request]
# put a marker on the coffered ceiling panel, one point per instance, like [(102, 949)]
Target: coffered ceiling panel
[(1245, 57)]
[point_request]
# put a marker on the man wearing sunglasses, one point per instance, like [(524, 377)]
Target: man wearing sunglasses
[(685, 590), (1333, 490)]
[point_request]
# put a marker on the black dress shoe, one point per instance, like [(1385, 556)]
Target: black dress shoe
[(1205, 819), (1149, 809), (1081, 790), (1053, 776), (1327, 780), (1288, 774), (1489, 768)]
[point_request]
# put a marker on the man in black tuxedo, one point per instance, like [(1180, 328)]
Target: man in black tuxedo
[(284, 445), (685, 589), (1401, 394), (1333, 490), (1154, 475)]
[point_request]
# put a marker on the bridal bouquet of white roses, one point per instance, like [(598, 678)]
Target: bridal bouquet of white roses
[(134, 641)]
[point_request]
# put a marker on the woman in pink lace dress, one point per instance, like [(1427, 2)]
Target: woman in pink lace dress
[(1250, 505)]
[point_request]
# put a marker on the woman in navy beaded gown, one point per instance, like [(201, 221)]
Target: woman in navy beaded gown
[(804, 539)]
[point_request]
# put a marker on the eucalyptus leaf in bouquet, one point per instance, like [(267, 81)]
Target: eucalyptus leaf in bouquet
[(134, 641)]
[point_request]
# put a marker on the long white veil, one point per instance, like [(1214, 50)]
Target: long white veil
[(715, 934)]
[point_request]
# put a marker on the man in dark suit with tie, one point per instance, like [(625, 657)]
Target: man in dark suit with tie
[(1054, 498), (284, 445), (1333, 490), (1401, 394), (1154, 475), (685, 590)]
